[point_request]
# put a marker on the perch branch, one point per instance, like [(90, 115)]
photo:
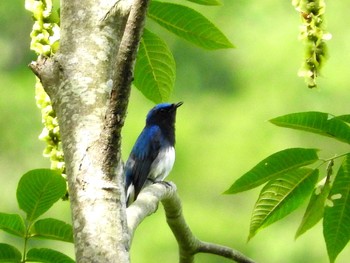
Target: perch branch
[(189, 245)]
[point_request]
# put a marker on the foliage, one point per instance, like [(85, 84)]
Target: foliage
[(155, 67), (292, 176), (37, 191)]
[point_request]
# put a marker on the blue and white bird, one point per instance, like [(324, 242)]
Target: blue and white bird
[(153, 154)]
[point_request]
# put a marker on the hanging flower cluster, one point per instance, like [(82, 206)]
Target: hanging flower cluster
[(313, 35), (45, 42)]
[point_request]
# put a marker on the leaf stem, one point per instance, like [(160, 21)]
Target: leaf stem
[(333, 158), (25, 242)]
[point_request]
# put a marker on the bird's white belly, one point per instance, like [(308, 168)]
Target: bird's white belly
[(163, 164)]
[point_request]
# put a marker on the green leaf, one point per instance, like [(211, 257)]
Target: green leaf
[(316, 122), (339, 130), (9, 253), (206, 2), (315, 209), (155, 68), (282, 196), (38, 190), (51, 228), (48, 256), (272, 167), (188, 24), (13, 224), (311, 121), (345, 118), (336, 227)]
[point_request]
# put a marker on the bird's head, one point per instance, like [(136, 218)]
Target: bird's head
[(163, 114)]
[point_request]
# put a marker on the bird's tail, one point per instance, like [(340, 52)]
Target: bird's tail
[(130, 195)]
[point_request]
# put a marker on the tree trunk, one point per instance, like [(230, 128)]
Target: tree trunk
[(88, 81)]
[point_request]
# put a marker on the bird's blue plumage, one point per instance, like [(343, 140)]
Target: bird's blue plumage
[(153, 154)]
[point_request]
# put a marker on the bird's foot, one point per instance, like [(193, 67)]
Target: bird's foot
[(165, 183)]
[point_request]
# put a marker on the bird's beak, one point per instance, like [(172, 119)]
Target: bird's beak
[(178, 104)]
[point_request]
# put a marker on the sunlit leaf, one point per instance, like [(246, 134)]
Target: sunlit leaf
[(206, 2), (336, 227), (48, 256), (188, 24), (315, 209), (311, 121), (316, 122), (9, 253), (272, 167), (281, 196), (38, 190), (52, 229), (13, 224), (155, 68)]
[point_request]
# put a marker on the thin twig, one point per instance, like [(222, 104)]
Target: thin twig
[(205, 247)]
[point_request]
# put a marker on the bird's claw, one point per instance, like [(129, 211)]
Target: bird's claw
[(165, 183)]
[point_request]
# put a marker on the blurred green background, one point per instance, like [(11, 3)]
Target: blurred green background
[(222, 128)]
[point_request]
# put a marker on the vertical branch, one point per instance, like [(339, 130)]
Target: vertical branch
[(123, 77)]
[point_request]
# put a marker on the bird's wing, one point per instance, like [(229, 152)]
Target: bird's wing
[(141, 158)]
